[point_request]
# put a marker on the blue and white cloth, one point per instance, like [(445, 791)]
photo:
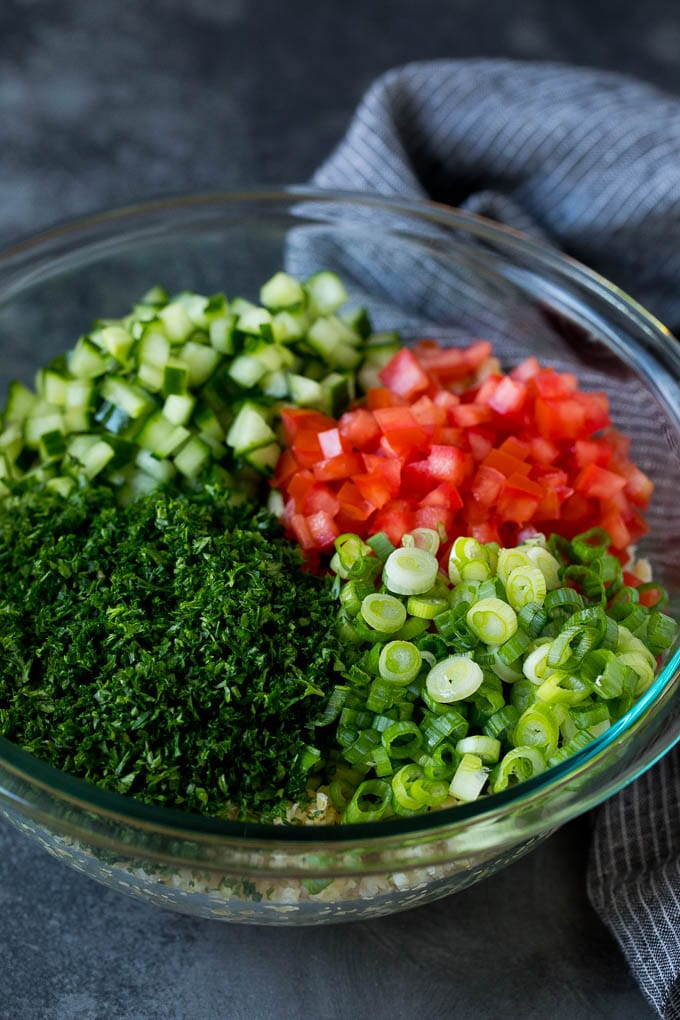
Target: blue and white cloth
[(590, 162)]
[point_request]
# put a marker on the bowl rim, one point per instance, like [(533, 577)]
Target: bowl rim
[(115, 806)]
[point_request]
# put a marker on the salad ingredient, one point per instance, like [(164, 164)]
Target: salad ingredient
[(186, 388), (171, 649), (448, 443), (528, 654)]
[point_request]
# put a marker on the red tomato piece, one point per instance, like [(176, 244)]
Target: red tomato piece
[(480, 441), (469, 415), (444, 494), (379, 396), (439, 518), (335, 468), (295, 418), (516, 447), (352, 503), (330, 441), (427, 413), (560, 419), (395, 520), (388, 468), (506, 463), (404, 375), (448, 463), (302, 532), (526, 369), (320, 497), (592, 451), (509, 397), (552, 385), (299, 486), (374, 488), (306, 447), (487, 484), (519, 498), (322, 529), (359, 428), (598, 482), (286, 467)]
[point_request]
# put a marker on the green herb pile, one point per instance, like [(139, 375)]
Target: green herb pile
[(171, 649)]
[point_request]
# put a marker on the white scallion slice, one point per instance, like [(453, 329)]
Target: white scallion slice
[(383, 612), (454, 679), (410, 571)]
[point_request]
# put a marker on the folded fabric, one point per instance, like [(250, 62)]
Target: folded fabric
[(590, 162)]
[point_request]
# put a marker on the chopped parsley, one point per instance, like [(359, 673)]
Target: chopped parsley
[(171, 649)]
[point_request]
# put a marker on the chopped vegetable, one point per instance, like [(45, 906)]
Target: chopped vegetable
[(522, 656), (172, 649)]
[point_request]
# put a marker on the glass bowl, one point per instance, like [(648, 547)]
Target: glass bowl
[(426, 270)]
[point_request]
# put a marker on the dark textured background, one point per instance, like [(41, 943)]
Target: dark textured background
[(103, 103)]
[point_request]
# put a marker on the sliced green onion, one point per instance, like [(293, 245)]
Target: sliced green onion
[(546, 563), (492, 620), (488, 749), (525, 585), (563, 687), (443, 762), (383, 612), (591, 545), (571, 644), (580, 740), (402, 740), (603, 670), (353, 593), (426, 606), (410, 571), (489, 696), (502, 722), (522, 695), (400, 662), (447, 725), (469, 778), (453, 627), (413, 628), (562, 598), (423, 538), (372, 801), (532, 618), (518, 765), (660, 632), (535, 666), (511, 650), (453, 679), (537, 727), (381, 545), (586, 716), (509, 560)]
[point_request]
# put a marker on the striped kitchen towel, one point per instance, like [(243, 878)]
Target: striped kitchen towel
[(589, 161)]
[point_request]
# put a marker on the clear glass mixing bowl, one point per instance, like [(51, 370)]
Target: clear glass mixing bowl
[(425, 270)]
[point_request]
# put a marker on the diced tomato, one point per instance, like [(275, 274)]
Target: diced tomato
[(487, 484), (509, 397), (480, 441), (552, 385), (519, 498), (299, 486), (359, 428), (598, 483), (388, 468), (302, 532), (614, 524), (526, 369), (560, 419), (286, 467), (518, 448), (543, 450), (404, 375), (506, 463), (445, 494), (379, 396), (439, 518), (639, 486), (427, 413), (295, 418), (307, 448), (469, 415), (320, 497), (395, 521), (592, 451), (374, 488), (343, 466), (322, 529), (447, 463), (451, 364), (353, 503)]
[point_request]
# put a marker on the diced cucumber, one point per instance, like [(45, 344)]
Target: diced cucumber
[(337, 390), (206, 421), (40, 425), (275, 384), (221, 333), (358, 321), (117, 341), (52, 445), (176, 322), (61, 484), (289, 326), (89, 459), (326, 292), (247, 370), (200, 360), (160, 436), (86, 360), (129, 397), (51, 386), (178, 408), (249, 430), (193, 458), (303, 391), (153, 347), (175, 378), (20, 402), (264, 458), (282, 291), (252, 320), (162, 470), (150, 377), (195, 305)]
